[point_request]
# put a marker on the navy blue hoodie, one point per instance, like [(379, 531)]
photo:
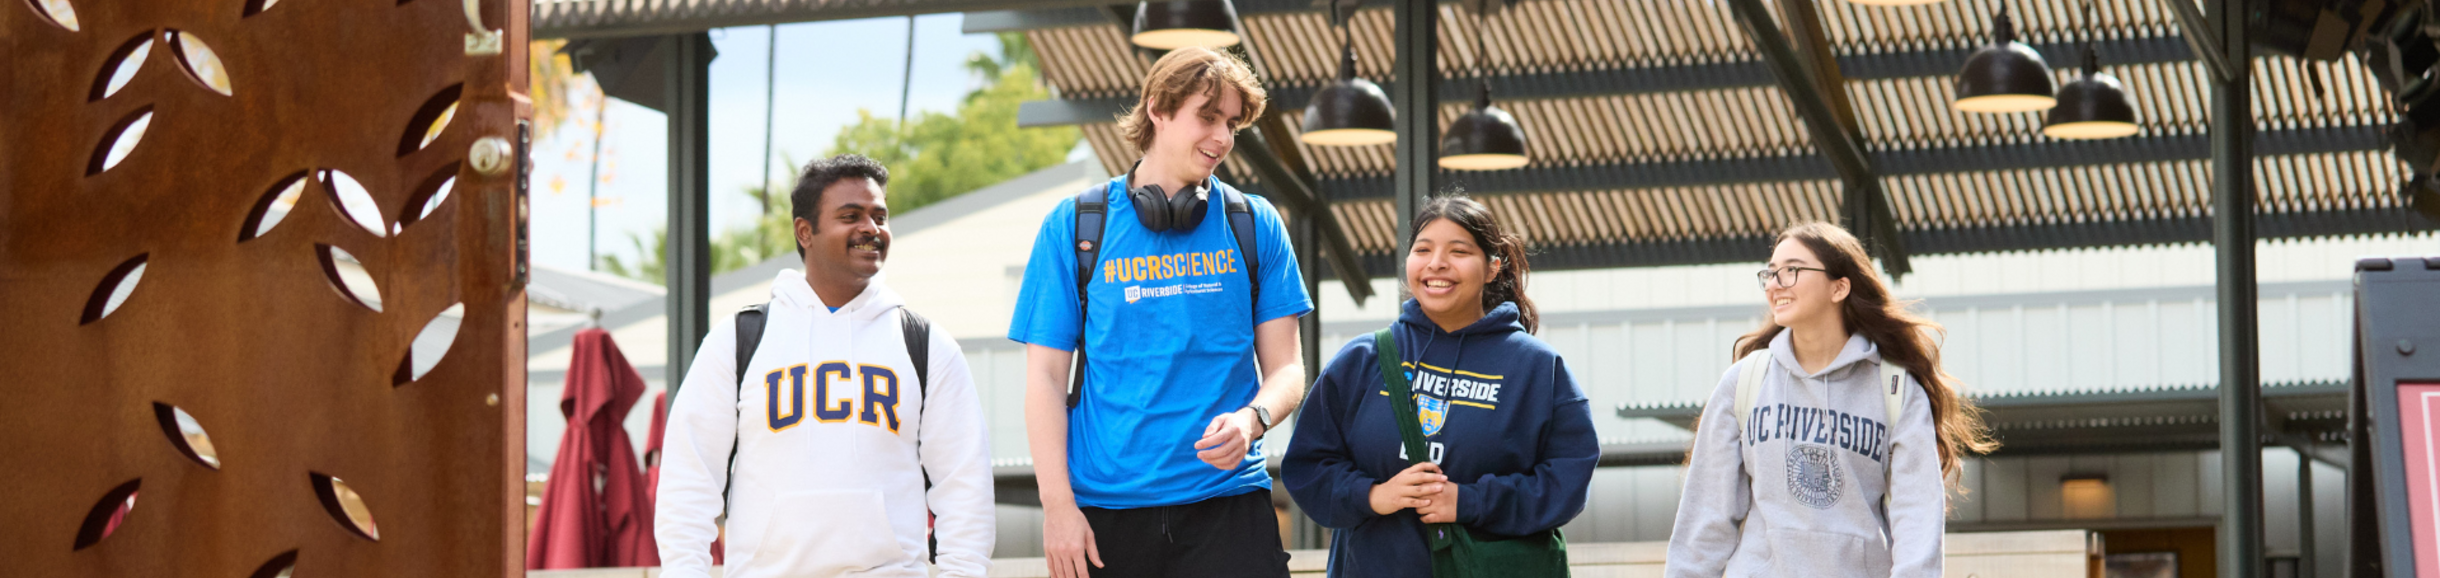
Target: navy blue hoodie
[(1500, 413)]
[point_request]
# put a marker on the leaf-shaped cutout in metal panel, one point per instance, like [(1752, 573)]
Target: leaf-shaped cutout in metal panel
[(273, 207), (200, 62), (353, 201), (345, 506), (429, 195), (280, 566), (58, 12), (114, 290), (430, 120), (254, 7), (348, 277), (122, 65), (187, 435), (120, 140), (430, 346), (107, 514)]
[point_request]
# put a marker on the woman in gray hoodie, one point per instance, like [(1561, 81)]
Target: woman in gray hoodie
[(1823, 452)]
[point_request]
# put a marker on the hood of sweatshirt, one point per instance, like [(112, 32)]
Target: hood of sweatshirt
[(790, 290), (1850, 355)]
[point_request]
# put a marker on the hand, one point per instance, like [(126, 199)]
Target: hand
[(1412, 488), (1067, 541), (1440, 508), (1226, 439)]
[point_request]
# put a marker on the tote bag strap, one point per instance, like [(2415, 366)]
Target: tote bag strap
[(1401, 396)]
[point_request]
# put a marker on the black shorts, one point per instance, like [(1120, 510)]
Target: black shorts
[(1232, 537)]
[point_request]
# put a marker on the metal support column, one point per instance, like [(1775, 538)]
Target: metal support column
[(2232, 188), (1416, 96), (687, 268), (2304, 513)]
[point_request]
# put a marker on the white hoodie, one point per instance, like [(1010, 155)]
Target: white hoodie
[(1798, 491), (831, 486)]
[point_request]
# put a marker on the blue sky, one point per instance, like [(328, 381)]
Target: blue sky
[(826, 71)]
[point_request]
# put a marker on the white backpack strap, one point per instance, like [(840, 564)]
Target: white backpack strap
[(1749, 380), (1893, 390), (1893, 398)]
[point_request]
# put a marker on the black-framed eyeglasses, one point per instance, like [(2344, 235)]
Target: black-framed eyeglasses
[(1783, 276)]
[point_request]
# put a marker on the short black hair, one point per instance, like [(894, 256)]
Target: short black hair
[(820, 174)]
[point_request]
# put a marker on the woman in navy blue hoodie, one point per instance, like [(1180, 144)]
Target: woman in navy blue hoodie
[(1510, 435)]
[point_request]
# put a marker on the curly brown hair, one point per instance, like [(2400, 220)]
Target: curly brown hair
[(1186, 72)]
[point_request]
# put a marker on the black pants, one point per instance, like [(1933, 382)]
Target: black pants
[(1232, 537)]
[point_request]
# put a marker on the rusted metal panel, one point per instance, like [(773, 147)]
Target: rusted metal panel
[(250, 334)]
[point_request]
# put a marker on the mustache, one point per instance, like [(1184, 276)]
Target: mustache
[(878, 242)]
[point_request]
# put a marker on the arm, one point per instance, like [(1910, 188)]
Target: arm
[(1919, 499), (1717, 496), (1067, 541), (956, 454), (1319, 471), (1557, 488), (1276, 347), (695, 454)]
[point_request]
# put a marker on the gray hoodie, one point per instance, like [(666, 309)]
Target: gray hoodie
[(1744, 514)]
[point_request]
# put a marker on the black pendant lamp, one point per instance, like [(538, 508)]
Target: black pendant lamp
[(1183, 23), (1350, 111), (2094, 105), (1486, 138), (2005, 75)]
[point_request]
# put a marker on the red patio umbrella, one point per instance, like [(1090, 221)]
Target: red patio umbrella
[(596, 509)]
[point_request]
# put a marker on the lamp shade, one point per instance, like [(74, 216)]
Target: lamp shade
[(2094, 106), (1487, 139), (2004, 76), (1179, 24), (1349, 111)]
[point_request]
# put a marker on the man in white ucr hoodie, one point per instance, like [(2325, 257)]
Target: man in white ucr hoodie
[(839, 452)]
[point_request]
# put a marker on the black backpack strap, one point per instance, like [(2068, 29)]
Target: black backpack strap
[(750, 321), (1092, 214), (917, 332), (1241, 222)]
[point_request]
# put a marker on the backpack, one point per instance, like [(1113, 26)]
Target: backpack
[(1093, 211), (1893, 398), (917, 333)]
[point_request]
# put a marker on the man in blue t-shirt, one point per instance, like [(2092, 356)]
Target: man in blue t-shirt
[(1190, 354)]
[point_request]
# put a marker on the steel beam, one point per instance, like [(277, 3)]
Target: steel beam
[(1711, 250), (1519, 86), (2232, 177), (687, 268), (1865, 206), (1291, 183), (1925, 161), (1417, 102)]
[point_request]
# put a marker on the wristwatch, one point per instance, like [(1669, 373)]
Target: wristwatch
[(1262, 415)]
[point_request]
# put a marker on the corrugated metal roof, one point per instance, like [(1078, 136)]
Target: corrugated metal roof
[(1898, 60)]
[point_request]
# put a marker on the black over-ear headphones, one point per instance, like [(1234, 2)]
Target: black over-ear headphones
[(1160, 211)]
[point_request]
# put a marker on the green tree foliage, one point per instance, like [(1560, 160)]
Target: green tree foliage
[(935, 157), (939, 156)]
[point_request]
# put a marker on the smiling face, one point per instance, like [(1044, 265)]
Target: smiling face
[(1446, 271), (1194, 138), (849, 236), (1811, 297)]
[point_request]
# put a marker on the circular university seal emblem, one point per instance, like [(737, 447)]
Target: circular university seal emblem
[(1814, 476)]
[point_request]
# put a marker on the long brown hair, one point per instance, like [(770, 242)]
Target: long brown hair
[(1506, 284), (1186, 72), (1904, 338)]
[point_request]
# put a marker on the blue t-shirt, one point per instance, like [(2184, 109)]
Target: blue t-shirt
[(1169, 346)]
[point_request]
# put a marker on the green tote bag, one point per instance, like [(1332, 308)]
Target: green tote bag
[(1459, 552)]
